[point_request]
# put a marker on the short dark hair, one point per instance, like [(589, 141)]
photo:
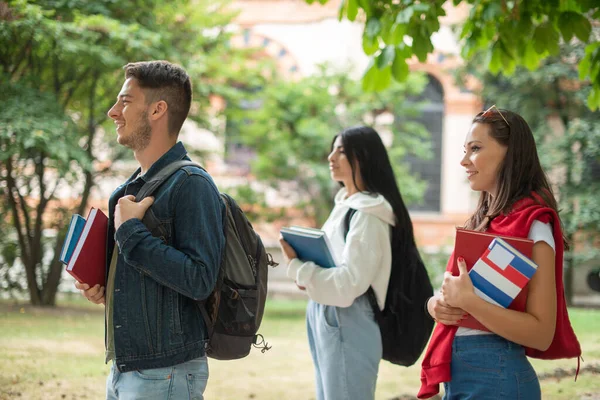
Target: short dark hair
[(162, 80)]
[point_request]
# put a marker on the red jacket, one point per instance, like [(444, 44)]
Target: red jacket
[(436, 363)]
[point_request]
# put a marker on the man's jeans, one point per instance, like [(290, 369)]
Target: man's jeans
[(182, 381)]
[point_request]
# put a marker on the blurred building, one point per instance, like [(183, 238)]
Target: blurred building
[(299, 37)]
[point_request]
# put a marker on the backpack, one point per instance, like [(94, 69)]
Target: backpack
[(234, 310), (404, 322)]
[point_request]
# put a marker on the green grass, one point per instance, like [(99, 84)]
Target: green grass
[(58, 353)]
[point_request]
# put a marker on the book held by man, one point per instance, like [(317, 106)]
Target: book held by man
[(499, 266), (73, 233), (310, 245), (87, 263)]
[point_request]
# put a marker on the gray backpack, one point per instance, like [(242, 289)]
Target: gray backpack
[(234, 310)]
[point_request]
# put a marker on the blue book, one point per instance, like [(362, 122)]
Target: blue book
[(75, 228), (310, 245)]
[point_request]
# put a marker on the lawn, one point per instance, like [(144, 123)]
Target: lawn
[(58, 354)]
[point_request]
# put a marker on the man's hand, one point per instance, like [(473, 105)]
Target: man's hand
[(94, 294), (443, 313), (127, 209)]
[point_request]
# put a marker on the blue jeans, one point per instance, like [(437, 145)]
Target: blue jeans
[(487, 367), (345, 344), (182, 381)]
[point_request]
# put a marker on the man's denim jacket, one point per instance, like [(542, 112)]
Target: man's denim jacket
[(162, 269)]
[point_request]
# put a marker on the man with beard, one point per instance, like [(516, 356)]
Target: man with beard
[(155, 333)]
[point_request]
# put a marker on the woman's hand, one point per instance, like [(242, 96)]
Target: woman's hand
[(286, 249), (458, 291), (442, 312)]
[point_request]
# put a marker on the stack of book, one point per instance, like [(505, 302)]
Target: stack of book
[(500, 268), (84, 248)]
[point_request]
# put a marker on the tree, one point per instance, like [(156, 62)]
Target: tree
[(509, 33), (60, 70), (553, 102), (292, 126)]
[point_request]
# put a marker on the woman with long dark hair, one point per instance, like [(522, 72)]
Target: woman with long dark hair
[(516, 200), (344, 337)]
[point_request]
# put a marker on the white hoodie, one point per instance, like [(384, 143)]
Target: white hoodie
[(365, 256)]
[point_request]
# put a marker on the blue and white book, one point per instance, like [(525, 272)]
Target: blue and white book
[(310, 245), (75, 228), (501, 273)]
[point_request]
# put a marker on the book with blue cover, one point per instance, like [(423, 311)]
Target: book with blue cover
[(75, 228), (310, 245)]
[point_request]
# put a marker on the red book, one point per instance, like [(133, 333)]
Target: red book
[(88, 262), (471, 245)]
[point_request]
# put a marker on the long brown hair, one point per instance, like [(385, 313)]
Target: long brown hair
[(520, 175)]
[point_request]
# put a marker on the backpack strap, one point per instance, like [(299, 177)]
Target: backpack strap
[(370, 292), (150, 187), (349, 214)]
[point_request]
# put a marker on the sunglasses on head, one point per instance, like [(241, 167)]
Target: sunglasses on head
[(489, 110)]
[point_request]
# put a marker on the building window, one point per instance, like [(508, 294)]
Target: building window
[(432, 118)]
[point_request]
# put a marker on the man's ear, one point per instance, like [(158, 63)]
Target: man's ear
[(158, 110)]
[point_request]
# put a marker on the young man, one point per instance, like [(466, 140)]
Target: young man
[(155, 333)]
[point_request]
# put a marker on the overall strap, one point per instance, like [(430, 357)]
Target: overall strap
[(150, 187)]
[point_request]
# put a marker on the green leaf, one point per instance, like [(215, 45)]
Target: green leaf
[(405, 15), (400, 68), (352, 9), (373, 27), (492, 11), (369, 78), (366, 5), (421, 7), (565, 25), (342, 9), (524, 25), (370, 46), (397, 34), (386, 57), (422, 46), (530, 57), (573, 23), (583, 28), (495, 59), (383, 79), (584, 67), (545, 38), (594, 99)]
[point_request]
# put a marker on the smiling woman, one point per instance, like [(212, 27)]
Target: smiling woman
[(482, 160), (516, 200)]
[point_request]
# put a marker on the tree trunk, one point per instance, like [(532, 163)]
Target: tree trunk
[(54, 274), (35, 297), (568, 270), (568, 279)]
